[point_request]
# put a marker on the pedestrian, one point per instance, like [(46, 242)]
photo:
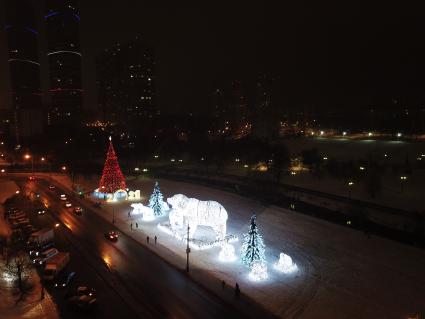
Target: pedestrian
[(147, 239), (137, 225), (155, 239), (223, 284), (237, 291), (131, 226), (128, 214)]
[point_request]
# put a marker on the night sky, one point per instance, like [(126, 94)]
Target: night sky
[(322, 55)]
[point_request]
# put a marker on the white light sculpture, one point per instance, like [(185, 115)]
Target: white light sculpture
[(285, 264), (258, 271), (193, 212), (227, 253), (145, 211)]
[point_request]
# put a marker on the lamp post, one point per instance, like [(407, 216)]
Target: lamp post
[(187, 250), (403, 180), (350, 183), (28, 156)]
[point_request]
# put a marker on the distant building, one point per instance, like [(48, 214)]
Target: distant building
[(64, 58), (238, 108), (26, 120), (126, 83)]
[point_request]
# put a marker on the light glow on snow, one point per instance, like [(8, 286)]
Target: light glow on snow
[(285, 264), (191, 211), (227, 253), (258, 271), (195, 243)]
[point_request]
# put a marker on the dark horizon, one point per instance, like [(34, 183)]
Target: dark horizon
[(320, 57)]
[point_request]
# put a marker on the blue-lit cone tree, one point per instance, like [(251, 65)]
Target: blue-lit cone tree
[(252, 247), (112, 177), (156, 201)]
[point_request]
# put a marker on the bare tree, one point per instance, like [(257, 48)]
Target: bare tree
[(19, 267)]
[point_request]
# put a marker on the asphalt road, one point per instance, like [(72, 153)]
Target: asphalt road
[(131, 281)]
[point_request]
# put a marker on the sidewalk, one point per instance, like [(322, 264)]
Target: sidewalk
[(31, 306)]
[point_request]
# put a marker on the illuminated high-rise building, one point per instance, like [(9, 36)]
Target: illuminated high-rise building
[(22, 36), (64, 58), (126, 83)]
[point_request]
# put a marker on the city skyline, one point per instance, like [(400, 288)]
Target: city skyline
[(319, 58)]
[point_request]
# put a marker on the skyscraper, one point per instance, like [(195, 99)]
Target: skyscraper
[(64, 58), (126, 83), (22, 36)]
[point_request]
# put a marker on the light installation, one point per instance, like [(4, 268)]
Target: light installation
[(112, 178), (156, 201), (64, 51), (193, 212), (252, 247), (285, 264), (258, 271), (23, 60), (146, 212), (227, 253)]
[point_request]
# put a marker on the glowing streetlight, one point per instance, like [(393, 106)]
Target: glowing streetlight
[(63, 168), (344, 133), (43, 159), (350, 183)]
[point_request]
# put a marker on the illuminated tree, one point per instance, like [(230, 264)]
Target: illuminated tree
[(253, 246), (156, 201), (112, 178)]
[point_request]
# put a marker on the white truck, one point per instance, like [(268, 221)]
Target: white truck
[(55, 265), (40, 238)]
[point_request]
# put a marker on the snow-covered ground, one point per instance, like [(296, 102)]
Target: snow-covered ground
[(342, 273)]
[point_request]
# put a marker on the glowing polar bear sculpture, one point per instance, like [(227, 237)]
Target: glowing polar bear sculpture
[(145, 211), (197, 213)]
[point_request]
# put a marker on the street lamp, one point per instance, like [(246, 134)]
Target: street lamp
[(187, 250), (350, 183), (28, 156)]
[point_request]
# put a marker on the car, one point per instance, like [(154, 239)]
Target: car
[(82, 303), (111, 235), (37, 251), (85, 291), (78, 210), (45, 255), (31, 178), (68, 204), (63, 197), (40, 211), (52, 187), (65, 280)]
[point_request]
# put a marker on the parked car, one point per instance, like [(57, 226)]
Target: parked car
[(52, 187), (68, 204), (78, 210), (65, 280), (82, 303), (37, 251), (44, 256), (63, 197)]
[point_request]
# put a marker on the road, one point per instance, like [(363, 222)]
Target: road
[(138, 281)]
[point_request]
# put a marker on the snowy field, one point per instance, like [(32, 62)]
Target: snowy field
[(346, 149), (342, 273)]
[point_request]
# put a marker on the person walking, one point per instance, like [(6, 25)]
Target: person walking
[(237, 291), (131, 226), (155, 239), (147, 239), (137, 226), (223, 284)]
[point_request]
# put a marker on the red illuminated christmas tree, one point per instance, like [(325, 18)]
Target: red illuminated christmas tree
[(112, 178)]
